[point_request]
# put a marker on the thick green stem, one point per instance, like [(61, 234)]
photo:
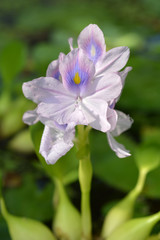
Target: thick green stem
[(85, 178), (86, 216)]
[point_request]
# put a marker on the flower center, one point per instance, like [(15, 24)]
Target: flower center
[(77, 78), (78, 103), (59, 135)]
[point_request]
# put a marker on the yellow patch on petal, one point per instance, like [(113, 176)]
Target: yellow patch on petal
[(60, 78), (77, 78), (93, 50)]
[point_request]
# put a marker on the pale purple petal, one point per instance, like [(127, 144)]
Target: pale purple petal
[(54, 145), (95, 111), (53, 70), (70, 41), (118, 148), (63, 112), (113, 61), (76, 71), (112, 118), (107, 87), (124, 122), (30, 117), (43, 89), (123, 74), (91, 41)]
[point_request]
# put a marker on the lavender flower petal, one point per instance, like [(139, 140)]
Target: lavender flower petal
[(118, 148), (55, 143), (30, 117), (113, 61), (91, 41), (124, 123)]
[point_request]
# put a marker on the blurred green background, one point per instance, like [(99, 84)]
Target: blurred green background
[(32, 34)]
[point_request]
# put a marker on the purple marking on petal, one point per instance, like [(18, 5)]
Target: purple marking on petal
[(53, 70), (83, 75), (57, 75), (112, 105), (94, 50), (76, 71)]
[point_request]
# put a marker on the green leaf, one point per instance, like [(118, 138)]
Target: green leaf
[(150, 137), (12, 120), (40, 193), (142, 82), (25, 228), (132, 40), (12, 61), (147, 158), (65, 168), (22, 142)]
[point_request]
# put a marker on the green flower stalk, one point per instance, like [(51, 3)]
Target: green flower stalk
[(24, 228), (85, 178), (138, 229), (67, 221)]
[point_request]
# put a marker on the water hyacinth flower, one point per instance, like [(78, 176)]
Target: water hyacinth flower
[(76, 91)]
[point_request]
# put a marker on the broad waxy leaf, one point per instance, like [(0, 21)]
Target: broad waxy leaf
[(12, 61), (22, 142), (147, 158), (31, 192)]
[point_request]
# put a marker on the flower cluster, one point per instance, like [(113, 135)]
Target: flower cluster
[(80, 88)]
